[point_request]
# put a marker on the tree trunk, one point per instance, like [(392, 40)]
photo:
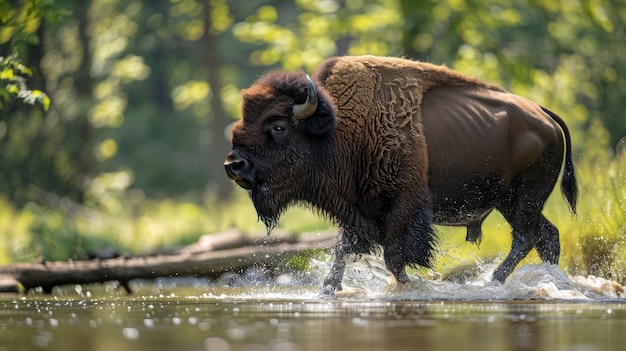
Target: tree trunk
[(211, 256), (84, 90), (219, 145)]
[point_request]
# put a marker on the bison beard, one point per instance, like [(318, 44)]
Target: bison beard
[(271, 197), (266, 208), (386, 147)]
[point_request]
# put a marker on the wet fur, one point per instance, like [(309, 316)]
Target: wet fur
[(368, 157), (361, 159)]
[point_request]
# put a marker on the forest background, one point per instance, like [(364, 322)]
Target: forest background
[(114, 114)]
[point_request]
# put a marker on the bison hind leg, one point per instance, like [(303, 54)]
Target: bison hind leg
[(547, 241)]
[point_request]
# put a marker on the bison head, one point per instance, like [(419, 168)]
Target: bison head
[(281, 143)]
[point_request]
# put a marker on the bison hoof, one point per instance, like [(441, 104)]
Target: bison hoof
[(328, 291), (499, 277)]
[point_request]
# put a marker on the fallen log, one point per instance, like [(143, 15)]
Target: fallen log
[(189, 261)]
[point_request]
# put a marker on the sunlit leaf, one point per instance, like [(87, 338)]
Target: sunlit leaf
[(190, 93), (221, 18), (45, 101), (7, 74), (267, 14), (106, 149), (6, 34), (12, 88), (199, 90), (23, 69), (193, 30), (108, 112), (131, 68)]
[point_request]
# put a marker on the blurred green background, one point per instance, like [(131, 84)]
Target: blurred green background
[(114, 113)]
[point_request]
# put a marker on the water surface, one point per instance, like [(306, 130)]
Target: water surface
[(539, 308)]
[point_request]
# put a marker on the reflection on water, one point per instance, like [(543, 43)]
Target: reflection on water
[(187, 323), (539, 308)]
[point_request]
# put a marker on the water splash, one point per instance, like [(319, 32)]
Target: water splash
[(367, 278)]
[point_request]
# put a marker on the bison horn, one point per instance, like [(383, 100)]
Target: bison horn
[(305, 110)]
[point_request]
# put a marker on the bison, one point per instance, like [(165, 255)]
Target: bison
[(388, 147)]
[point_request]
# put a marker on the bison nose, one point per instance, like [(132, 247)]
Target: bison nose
[(236, 165), (238, 169)]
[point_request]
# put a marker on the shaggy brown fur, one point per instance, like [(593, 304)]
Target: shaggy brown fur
[(395, 144), (378, 102)]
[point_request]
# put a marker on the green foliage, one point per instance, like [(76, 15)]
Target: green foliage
[(13, 84), (19, 22), (302, 261), (568, 55), (601, 224), (60, 229), (29, 142), (318, 30)]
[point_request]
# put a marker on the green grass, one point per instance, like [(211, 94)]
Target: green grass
[(71, 230), (593, 242)]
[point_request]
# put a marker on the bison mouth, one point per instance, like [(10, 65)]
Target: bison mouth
[(246, 184), (266, 195), (237, 178), (239, 169)]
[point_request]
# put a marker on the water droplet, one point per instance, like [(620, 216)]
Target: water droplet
[(130, 333), (237, 333), (216, 344), (43, 340), (359, 321)]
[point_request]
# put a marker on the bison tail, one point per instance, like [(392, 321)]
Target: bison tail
[(569, 187)]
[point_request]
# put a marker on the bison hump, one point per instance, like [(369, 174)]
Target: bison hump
[(378, 103)]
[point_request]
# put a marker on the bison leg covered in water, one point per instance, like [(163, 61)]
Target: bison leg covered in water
[(522, 209), (415, 247)]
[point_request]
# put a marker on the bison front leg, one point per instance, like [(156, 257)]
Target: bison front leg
[(360, 240), (333, 280), (395, 262), (415, 245)]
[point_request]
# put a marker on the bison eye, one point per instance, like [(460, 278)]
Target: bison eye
[(277, 129), (279, 134)]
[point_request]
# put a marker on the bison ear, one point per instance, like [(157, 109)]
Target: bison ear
[(322, 121)]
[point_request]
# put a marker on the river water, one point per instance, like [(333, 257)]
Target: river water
[(538, 308)]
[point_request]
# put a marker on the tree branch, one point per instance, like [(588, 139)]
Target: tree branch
[(229, 251)]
